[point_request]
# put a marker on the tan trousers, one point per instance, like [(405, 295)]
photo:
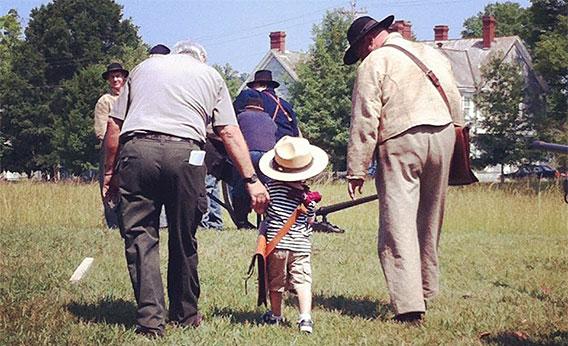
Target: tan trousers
[(412, 180)]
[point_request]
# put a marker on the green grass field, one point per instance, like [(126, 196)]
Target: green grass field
[(504, 262)]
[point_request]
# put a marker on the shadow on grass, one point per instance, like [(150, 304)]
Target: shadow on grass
[(520, 338), (348, 306), (242, 317), (354, 307), (119, 312)]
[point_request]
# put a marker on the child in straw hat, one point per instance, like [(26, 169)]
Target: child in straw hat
[(289, 164)]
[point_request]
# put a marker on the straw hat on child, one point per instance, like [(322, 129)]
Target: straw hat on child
[(293, 159)]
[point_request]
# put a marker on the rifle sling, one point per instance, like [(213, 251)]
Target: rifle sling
[(301, 209)]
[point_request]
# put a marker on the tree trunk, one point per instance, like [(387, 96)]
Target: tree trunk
[(502, 173)]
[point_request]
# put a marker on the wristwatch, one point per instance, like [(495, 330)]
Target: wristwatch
[(252, 179)]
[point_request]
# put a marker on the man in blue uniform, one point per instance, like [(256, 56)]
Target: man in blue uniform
[(279, 109)]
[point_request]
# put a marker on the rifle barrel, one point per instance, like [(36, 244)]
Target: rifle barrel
[(344, 205), (540, 145)]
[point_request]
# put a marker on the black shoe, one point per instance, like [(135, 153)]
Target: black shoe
[(414, 317), (149, 333)]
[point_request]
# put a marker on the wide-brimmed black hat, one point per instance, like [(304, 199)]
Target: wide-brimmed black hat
[(358, 29), (159, 49), (114, 67), (264, 76)]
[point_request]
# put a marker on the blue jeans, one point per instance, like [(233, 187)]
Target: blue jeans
[(213, 217), (239, 195)]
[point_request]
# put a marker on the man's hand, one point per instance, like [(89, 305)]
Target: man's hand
[(259, 197), (353, 184), (110, 190)]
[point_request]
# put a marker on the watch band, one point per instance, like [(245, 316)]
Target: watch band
[(252, 179)]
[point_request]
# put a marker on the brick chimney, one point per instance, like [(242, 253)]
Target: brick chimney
[(488, 31), (278, 41), (441, 33), (403, 27)]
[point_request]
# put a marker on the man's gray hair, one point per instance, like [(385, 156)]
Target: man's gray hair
[(192, 48)]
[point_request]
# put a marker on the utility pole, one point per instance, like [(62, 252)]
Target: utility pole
[(352, 11)]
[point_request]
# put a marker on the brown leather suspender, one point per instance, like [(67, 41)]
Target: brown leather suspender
[(278, 105), (429, 73)]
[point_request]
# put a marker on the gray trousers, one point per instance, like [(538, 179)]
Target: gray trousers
[(412, 180), (152, 173)]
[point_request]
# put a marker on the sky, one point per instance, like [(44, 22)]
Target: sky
[(236, 31)]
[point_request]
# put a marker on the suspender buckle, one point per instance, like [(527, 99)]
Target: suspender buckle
[(433, 78)]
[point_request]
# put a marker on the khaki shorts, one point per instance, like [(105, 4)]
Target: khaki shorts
[(288, 270)]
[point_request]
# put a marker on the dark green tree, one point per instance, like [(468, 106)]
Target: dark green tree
[(505, 125), (545, 17), (322, 96), (10, 38), (72, 34), (232, 77), (73, 138), (47, 106), (511, 20), (549, 42), (26, 120)]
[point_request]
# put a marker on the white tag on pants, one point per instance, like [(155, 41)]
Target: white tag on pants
[(196, 157)]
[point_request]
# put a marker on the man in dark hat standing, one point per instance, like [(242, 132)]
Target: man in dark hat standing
[(279, 109), (115, 76), (399, 113)]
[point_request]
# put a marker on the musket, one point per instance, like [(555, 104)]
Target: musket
[(326, 226), (558, 148)]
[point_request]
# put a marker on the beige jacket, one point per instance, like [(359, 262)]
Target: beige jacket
[(102, 112), (392, 94)]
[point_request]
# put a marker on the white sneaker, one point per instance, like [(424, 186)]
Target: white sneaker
[(306, 326)]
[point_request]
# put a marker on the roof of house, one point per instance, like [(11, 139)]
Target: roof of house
[(288, 60), (467, 56)]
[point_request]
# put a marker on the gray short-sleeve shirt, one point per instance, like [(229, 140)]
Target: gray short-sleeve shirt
[(174, 94)]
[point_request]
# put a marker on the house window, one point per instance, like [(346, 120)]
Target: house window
[(469, 111)]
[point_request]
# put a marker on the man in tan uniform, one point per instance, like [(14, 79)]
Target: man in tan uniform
[(115, 76), (399, 114)]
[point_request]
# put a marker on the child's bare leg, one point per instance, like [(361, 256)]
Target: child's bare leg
[(305, 299), (276, 302)]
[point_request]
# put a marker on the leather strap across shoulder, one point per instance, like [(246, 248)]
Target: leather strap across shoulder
[(301, 209), (429, 73)]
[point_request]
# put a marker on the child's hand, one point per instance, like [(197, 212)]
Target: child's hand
[(312, 196)]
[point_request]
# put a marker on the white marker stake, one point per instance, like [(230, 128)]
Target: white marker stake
[(81, 270)]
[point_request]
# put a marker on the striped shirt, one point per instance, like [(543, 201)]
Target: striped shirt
[(284, 199)]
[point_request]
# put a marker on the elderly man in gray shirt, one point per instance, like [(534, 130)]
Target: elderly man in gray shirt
[(160, 121)]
